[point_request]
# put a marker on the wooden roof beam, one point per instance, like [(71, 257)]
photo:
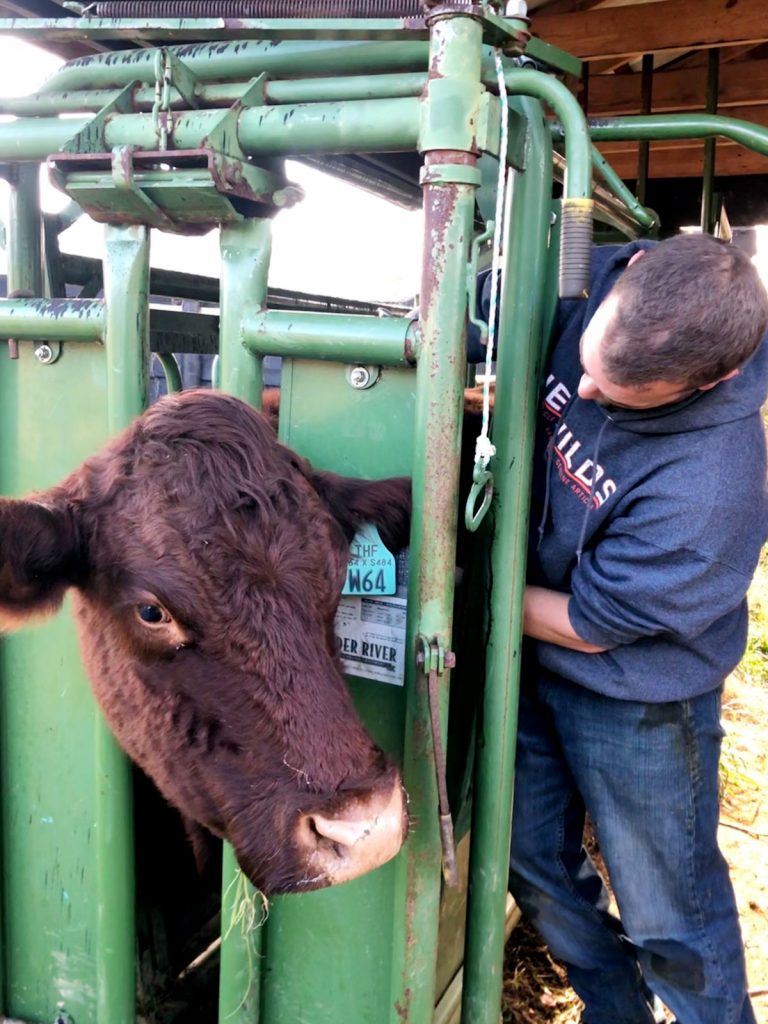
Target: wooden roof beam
[(653, 28), (741, 85), (686, 160)]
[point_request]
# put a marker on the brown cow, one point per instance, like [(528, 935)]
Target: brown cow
[(207, 561)]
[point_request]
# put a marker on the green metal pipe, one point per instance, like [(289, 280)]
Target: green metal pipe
[(517, 377), (171, 370), (578, 205), (243, 59), (575, 134), (710, 146), (245, 253), (36, 138), (24, 272), (217, 94), (674, 126), (645, 217), (608, 208), (53, 319), (455, 60), (126, 283), (25, 268), (354, 127), (342, 338)]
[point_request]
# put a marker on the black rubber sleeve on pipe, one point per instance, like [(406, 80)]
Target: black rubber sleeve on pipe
[(575, 248)]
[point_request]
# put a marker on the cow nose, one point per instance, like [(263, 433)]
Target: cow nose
[(363, 835)]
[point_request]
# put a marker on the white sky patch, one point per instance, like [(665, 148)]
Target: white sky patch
[(339, 240)]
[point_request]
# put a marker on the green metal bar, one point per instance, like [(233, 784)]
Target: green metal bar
[(354, 127), (309, 90), (194, 30), (343, 338), (710, 146), (609, 209), (245, 255), (674, 126), (171, 370), (526, 82), (448, 226), (646, 103), (53, 319), (25, 270), (126, 280), (241, 59), (517, 377), (578, 206), (645, 217)]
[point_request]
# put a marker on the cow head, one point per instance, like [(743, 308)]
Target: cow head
[(207, 561)]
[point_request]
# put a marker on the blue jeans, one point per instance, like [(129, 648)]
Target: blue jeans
[(647, 774)]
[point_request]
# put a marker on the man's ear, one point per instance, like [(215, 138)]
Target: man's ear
[(727, 376), (384, 503), (635, 257), (40, 557)]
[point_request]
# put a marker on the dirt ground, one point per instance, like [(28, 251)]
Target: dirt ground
[(535, 987)]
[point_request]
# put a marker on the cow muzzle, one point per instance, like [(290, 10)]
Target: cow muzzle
[(362, 836)]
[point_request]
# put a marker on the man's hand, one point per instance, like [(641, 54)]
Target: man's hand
[(545, 617)]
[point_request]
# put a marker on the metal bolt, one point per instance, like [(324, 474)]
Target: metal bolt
[(359, 377), (516, 9), (45, 354)]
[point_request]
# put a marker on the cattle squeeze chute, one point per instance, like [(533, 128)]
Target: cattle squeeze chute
[(190, 131)]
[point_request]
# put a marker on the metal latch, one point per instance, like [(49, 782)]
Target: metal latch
[(433, 660)]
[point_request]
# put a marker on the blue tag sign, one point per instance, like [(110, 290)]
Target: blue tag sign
[(371, 569)]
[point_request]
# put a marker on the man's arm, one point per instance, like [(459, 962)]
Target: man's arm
[(545, 617)]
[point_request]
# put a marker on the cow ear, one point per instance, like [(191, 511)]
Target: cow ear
[(353, 502), (39, 559)]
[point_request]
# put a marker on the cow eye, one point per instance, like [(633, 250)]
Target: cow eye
[(152, 614)]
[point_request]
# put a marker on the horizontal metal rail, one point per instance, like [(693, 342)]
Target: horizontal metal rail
[(240, 60), (385, 341), (218, 94), (361, 126), (53, 319), (673, 126)]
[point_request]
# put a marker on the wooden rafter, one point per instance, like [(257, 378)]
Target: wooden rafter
[(741, 84), (686, 160), (652, 28)]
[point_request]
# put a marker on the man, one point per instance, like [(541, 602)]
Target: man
[(648, 517)]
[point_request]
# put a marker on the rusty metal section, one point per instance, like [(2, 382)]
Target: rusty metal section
[(259, 8)]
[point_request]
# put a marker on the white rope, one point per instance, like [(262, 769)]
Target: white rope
[(484, 450)]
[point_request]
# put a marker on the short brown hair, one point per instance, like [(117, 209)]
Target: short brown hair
[(692, 309)]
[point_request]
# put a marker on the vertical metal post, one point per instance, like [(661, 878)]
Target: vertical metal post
[(450, 180), (517, 377), (126, 291), (710, 146), (24, 272), (245, 253), (584, 97), (25, 230), (646, 104)]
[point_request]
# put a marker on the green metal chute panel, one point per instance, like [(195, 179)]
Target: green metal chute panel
[(328, 956), (51, 417)]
